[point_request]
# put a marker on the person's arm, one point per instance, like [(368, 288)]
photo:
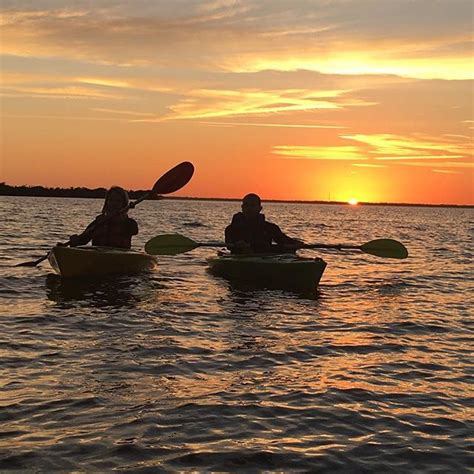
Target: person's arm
[(234, 240), (86, 236), (132, 226), (282, 239), (230, 234)]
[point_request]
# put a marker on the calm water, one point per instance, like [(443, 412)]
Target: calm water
[(180, 371)]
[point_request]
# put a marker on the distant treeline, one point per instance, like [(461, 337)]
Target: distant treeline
[(41, 191)]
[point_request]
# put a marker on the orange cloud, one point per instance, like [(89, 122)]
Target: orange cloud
[(62, 92), (394, 147), (274, 125), (446, 171), (368, 165), (319, 153)]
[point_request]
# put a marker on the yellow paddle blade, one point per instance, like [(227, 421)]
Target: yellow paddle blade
[(388, 248), (170, 244)]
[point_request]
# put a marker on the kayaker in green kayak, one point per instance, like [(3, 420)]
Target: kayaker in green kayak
[(118, 231), (249, 232)]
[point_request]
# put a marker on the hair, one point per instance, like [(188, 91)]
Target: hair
[(120, 192), (252, 197)]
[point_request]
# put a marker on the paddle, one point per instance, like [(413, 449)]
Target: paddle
[(170, 182), (173, 244)]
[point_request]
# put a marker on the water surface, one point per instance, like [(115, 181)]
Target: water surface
[(180, 370)]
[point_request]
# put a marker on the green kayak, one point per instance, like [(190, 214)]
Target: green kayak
[(88, 260), (272, 271)]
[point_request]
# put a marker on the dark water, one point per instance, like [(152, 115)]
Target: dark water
[(179, 370)]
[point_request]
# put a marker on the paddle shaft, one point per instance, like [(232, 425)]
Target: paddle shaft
[(174, 244), (305, 246), (331, 246)]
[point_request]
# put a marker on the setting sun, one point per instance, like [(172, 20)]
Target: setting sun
[(353, 201)]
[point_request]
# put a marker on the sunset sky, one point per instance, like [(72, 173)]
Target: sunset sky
[(292, 99)]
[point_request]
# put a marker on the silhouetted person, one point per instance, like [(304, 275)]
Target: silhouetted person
[(118, 231), (249, 232)]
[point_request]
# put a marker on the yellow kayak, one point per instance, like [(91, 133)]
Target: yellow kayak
[(89, 260)]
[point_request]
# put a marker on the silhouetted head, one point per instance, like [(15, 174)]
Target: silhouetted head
[(251, 205), (115, 199)]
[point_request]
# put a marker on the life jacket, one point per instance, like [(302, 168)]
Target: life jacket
[(115, 233), (258, 233)]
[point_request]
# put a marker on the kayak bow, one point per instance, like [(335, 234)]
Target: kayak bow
[(89, 260)]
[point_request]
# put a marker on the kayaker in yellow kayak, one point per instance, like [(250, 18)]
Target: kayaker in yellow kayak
[(249, 232), (118, 231)]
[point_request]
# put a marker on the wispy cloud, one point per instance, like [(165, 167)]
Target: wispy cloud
[(65, 117), (395, 147), (41, 84), (224, 103), (103, 82), (384, 147), (446, 171), (461, 164), (123, 112), (369, 165), (220, 103), (60, 92), (419, 157), (275, 125), (319, 153)]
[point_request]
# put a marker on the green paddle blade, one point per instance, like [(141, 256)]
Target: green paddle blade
[(170, 244), (388, 248)]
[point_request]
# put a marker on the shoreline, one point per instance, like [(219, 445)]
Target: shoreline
[(136, 194)]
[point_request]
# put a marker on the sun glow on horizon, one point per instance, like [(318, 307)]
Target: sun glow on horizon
[(353, 202)]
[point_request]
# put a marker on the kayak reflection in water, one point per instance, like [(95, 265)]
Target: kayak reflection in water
[(118, 231), (249, 232)]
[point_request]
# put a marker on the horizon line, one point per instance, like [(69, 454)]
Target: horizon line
[(197, 198)]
